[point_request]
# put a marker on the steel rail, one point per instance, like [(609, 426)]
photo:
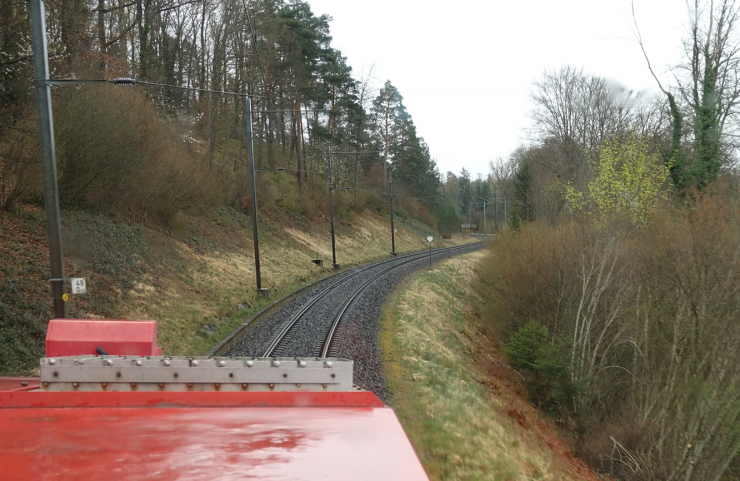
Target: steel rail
[(283, 334), (338, 318)]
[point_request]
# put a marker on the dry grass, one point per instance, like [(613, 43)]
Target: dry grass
[(463, 409), (205, 269), (194, 275)]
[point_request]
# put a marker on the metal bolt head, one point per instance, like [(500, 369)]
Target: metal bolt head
[(194, 363), (250, 363), (52, 361), (221, 363), (302, 363), (166, 362), (329, 364), (139, 362), (276, 363)]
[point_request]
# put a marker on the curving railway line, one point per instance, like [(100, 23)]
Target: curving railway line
[(338, 317)]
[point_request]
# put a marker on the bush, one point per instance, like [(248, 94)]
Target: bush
[(115, 151), (20, 168), (447, 219), (651, 318), (544, 362)]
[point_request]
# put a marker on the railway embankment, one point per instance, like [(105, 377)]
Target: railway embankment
[(194, 274), (463, 407)]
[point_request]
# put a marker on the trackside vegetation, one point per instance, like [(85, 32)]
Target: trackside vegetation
[(461, 406), (615, 288)]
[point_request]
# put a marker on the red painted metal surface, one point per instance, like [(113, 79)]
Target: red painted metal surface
[(62, 399), (334, 442), (18, 383), (76, 337)]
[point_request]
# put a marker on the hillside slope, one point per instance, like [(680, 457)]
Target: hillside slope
[(194, 275), (464, 409)]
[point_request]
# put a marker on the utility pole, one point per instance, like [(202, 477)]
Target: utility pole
[(250, 155), (331, 208), (48, 155), (393, 230), (495, 212), (357, 168), (485, 227)]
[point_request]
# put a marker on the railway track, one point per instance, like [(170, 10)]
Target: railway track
[(309, 324), (329, 346), (280, 345)]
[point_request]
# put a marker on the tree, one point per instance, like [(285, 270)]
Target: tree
[(629, 180), (708, 92), (385, 108), (713, 86), (521, 210), (465, 193)]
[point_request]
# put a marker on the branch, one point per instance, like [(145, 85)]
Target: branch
[(28, 57), (164, 9), (642, 47)]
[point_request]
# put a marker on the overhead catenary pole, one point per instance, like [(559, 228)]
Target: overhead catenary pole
[(250, 156), (495, 213), (393, 230), (331, 208), (48, 156), (485, 225), (430, 254)]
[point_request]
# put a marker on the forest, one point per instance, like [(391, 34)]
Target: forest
[(178, 134), (615, 289)]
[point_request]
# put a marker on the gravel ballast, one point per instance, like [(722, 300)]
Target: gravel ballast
[(356, 337)]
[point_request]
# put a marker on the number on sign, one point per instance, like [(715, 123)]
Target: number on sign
[(79, 286)]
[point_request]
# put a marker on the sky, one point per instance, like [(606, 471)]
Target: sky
[(465, 68)]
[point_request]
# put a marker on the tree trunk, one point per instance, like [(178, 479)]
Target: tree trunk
[(101, 34), (299, 143)]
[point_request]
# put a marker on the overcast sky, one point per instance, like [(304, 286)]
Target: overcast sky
[(464, 68)]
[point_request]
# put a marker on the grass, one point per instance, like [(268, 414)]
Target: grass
[(463, 409), (193, 274), (197, 307)]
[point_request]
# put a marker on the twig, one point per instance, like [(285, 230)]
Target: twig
[(505, 365)]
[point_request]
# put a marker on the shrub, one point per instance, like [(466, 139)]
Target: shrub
[(20, 168), (650, 315), (447, 219), (531, 349), (114, 150)]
